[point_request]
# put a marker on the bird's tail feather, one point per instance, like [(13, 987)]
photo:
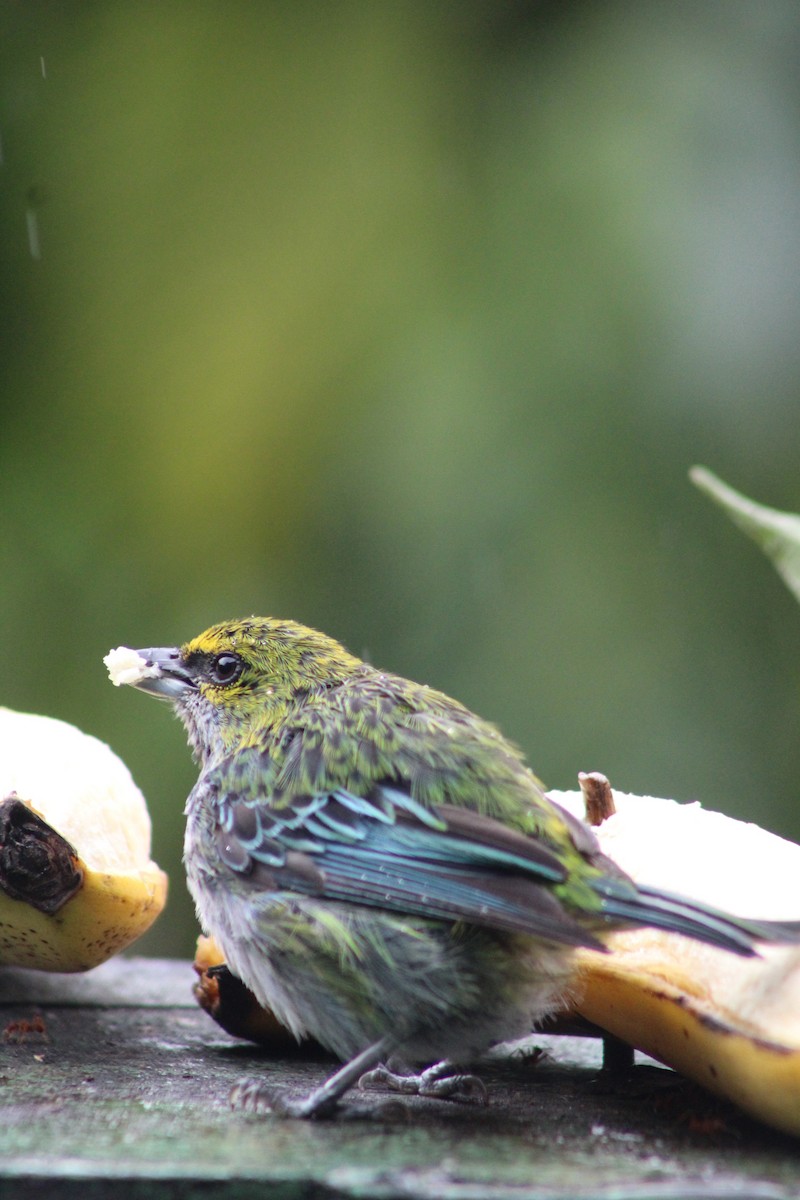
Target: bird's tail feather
[(678, 914)]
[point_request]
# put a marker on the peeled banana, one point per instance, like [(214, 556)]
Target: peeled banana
[(77, 883), (730, 1023)]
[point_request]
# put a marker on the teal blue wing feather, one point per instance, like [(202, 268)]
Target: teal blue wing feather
[(386, 850)]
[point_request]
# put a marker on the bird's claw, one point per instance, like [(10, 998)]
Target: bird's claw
[(255, 1098), (439, 1081), (251, 1096)]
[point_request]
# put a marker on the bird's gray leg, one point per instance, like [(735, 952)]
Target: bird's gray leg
[(442, 1080), (254, 1096)]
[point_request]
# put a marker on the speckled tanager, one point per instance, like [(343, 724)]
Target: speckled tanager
[(377, 862)]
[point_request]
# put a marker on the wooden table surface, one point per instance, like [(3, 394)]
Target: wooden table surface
[(115, 1083)]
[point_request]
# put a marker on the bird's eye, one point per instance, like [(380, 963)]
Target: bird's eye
[(226, 668)]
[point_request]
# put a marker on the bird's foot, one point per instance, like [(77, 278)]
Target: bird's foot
[(253, 1096), (256, 1098), (440, 1081)]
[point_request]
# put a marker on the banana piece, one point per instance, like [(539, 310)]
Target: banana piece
[(732, 1024), (231, 1004), (77, 883)]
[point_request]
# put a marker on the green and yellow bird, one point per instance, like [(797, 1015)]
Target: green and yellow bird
[(377, 863)]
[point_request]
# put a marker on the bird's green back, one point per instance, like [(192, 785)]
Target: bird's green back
[(307, 717)]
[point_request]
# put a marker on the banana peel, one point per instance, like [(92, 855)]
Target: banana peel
[(730, 1023), (231, 1004), (77, 883)]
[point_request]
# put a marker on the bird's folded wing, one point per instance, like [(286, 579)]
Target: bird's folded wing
[(385, 850)]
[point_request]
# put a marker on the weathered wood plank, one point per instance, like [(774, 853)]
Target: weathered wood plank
[(127, 1090)]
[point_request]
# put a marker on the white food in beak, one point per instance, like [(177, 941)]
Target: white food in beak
[(127, 666)]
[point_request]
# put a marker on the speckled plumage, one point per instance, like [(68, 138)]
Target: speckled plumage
[(377, 863)]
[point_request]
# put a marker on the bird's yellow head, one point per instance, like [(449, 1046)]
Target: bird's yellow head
[(235, 679)]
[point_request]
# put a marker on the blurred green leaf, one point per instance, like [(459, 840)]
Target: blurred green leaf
[(777, 533)]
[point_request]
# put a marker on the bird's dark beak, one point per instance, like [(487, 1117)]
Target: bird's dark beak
[(160, 671), (172, 678)]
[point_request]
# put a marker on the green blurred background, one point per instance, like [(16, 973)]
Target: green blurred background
[(407, 320)]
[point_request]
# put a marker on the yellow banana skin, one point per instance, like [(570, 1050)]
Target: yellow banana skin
[(106, 914), (683, 1031)]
